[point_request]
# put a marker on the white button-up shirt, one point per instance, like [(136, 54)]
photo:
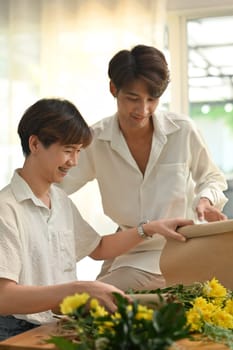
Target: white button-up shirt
[(38, 245), (178, 173)]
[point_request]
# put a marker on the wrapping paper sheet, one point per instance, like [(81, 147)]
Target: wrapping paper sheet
[(207, 253)]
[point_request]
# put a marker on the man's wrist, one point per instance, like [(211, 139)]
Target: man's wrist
[(140, 230), (207, 199)]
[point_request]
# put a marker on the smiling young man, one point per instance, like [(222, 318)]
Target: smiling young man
[(42, 234), (149, 164)]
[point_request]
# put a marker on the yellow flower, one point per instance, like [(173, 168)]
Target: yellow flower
[(211, 311), (73, 302), (94, 303), (202, 311), (229, 306), (96, 310), (105, 325), (116, 316), (144, 313), (194, 320), (129, 308), (204, 307), (102, 326), (223, 319), (214, 289)]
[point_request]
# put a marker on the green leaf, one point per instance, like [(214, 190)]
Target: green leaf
[(62, 343)]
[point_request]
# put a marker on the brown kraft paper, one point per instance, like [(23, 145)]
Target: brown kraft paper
[(207, 253)]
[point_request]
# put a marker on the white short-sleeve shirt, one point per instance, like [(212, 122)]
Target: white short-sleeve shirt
[(38, 245)]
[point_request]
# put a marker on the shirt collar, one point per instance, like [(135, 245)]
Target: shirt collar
[(22, 190), (163, 121), (109, 128)]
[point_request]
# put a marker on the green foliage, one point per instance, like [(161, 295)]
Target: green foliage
[(178, 293), (203, 310), (219, 335), (132, 327), (62, 343), (216, 112)]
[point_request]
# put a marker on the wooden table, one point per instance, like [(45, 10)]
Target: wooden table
[(31, 340), (35, 339)]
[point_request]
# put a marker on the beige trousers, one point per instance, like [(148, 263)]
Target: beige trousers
[(129, 278)]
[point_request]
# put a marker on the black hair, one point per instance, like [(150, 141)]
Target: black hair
[(53, 120), (142, 62)]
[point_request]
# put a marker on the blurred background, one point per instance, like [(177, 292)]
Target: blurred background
[(61, 48)]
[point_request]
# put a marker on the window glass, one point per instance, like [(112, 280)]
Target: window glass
[(210, 70)]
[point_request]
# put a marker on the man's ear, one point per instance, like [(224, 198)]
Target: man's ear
[(33, 143), (112, 88)]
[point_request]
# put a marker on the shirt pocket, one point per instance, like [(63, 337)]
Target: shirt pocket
[(172, 186), (173, 177), (67, 248)]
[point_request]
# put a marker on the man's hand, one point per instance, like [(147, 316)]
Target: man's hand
[(103, 292), (206, 211), (167, 227)]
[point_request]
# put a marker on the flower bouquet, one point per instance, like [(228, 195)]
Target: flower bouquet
[(181, 311)]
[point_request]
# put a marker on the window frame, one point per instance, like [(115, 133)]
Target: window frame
[(178, 49)]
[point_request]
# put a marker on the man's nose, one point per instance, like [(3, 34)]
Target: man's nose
[(143, 108), (73, 161)]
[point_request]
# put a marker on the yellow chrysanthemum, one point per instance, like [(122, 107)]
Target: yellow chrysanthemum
[(214, 289), (99, 311), (202, 311), (96, 310), (73, 302), (116, 316), (204, 308), (222, 319), (229, 306), (200, 302), (94, 303), (129, 307), (144, 313), (106, 325), (194, 320)]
